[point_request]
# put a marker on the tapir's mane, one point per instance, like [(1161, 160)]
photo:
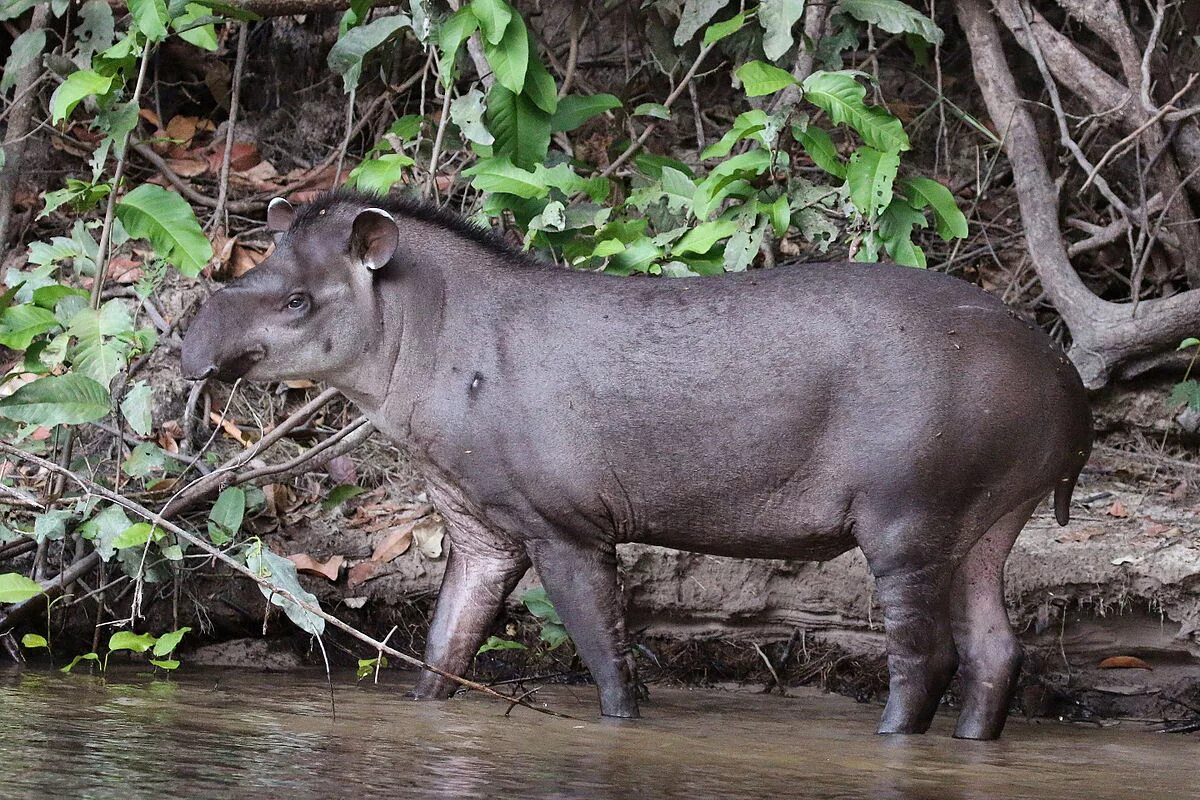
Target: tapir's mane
[(353, 200)]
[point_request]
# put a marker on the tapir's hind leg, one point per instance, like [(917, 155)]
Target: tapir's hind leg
[(990, 652), (914, 590)]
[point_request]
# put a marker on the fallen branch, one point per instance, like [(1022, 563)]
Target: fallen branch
[(91, 488)]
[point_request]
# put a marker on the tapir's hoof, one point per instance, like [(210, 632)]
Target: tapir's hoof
[(901, 728)]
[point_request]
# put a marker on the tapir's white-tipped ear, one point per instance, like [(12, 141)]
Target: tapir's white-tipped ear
[(279, 215), (374, 237)]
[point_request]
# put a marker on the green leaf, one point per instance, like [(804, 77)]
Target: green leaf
[(893, 16), (743, 245), (926, 193), (25, 50), (499, 175), (98, 352), (145, 459), (136, 408), (136, 535), (493, 16), (20, 324), (75, 661), (280, 573), (747, 125), (656, 110), (57, 399), (150, 18), (841, 96), (496, 643), (346, 56), (821, 149), (225, 518), (32, 641), (94, 31), (1186, 393), (165, 663), (780, 213), (378, 175), (574, 110), (74, 89), (167, 643), (1189, 342), (51, 525), (467, 113), (701, 238), (103, 530), (554, 634), (16, 588), (192, 27), (722, 30), (777, 18), (895, 231), (696, 14), (715, 185), (540, 86), (759, 78), (340, 494), (540, 606), (453, 32), (167, 221), (522, 130), (870, 178), (509, 58), (133, 642)]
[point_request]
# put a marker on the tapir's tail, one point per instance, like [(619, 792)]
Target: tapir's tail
[(1066, 487)]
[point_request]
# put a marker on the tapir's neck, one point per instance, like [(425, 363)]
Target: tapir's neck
[(411, 302)]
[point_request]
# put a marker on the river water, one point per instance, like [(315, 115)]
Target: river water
[(224, 733)]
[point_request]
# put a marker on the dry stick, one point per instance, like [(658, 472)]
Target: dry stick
[(91, 488), (186, 189), (217, 219), (431, 184), (341, 153), (1122, 146), (22, 116), (671, 98)]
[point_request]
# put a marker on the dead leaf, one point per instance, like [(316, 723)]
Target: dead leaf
[(302, 383), (1159, 530), (307, 564), (164, 486), (122, 269), (428, 534), (231, 429), (342, 470), (261, 177), (1124, 662), (248, 256), (184, 128), (188, 167), (394, 545), (363, 572), (279, 499), (40, 434), (1117, 509), (149, 115), (1079, 534)]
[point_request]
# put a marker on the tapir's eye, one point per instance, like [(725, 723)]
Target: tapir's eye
[(297, 302)]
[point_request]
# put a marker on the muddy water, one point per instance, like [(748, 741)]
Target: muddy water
[(239, 734)]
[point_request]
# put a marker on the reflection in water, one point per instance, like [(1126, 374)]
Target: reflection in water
[(227, 733)]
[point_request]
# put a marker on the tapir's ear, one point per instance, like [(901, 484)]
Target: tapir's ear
[(279, 215), (374, 237)]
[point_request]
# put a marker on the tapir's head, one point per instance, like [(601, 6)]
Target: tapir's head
[(308, 310)]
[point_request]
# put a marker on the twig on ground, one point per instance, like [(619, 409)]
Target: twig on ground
[(218, 217)]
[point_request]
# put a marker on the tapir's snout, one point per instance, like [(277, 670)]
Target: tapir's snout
[(215, 347)]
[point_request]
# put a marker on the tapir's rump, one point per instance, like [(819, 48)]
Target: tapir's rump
[(795, 412)]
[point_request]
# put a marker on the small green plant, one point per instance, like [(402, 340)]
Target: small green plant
[(551, 630), (160, 648), (1186, 393)]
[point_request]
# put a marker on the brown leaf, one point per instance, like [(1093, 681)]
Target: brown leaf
[(1124, 662), (182, 128), (428, 534), (300, 383), (188, 167), (168, 442), (122, 269), (248, 256), (1117, 509), (149, 115), (306, 563), (394, 545), (230, 428), (260, 177), (1159, 530), (279, 499), (363, 572)]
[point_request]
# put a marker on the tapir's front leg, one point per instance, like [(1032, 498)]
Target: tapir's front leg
[(479, 575)]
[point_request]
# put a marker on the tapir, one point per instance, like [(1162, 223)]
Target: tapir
[(795, 412)]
